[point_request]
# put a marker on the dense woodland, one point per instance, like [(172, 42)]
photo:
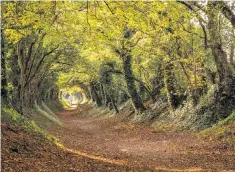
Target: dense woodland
[(154, 80), (180, 53)]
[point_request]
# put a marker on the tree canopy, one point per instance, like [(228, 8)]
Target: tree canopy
[(118, 50)]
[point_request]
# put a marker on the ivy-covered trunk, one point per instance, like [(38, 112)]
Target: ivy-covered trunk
[(94, 94), (226, 80), (85, 89), (169, 85), (4, 92), (232, 47), (114, 104), (15, 73), (158, 81), (20, 53), (130, 82), (107, 98)]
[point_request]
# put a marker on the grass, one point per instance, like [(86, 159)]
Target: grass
[(48, 113), (9, 115), (28, 125)]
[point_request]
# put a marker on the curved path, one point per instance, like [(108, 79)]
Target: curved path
[(124, 144)]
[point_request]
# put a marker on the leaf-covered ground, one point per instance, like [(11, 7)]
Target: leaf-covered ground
[(109, 144), (23, 152), (113, 140)]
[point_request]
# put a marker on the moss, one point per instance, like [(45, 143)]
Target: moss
[(228, 120), (46, 113), (11, 116), (40, 120)]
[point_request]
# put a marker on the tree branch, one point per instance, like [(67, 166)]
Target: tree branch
[(39, 65), (190, 7), (227, 12), (108, 7)]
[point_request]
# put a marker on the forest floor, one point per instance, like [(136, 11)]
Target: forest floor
[(112, 144)]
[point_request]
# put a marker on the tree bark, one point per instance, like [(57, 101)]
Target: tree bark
[(220, 56), (114, 104), (130, 82), (232, 47), (4, 91), (94, 94), (158, 81), (20, 53), (169, 84), (107, 98), (15, 75), (84, 88), (227, 12)]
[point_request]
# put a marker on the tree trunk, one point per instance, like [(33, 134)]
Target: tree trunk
[(4, 92), (21, 61), (169, 84), (130, 82), (84, 88), (103, 94), (15, 75), (232, 47), (86, 92), (107, 98), (141, 90), (22, 90), (157, 83), (220, 56), (227, 12), (94, 94), (209, 74), (114, 104)]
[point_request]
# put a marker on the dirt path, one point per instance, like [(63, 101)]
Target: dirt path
[(115, 142)]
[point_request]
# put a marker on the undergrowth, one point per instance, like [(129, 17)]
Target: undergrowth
[(65, 103), (228, 120), (48, 113), (223, 131), (57, 105), (11, 117)]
